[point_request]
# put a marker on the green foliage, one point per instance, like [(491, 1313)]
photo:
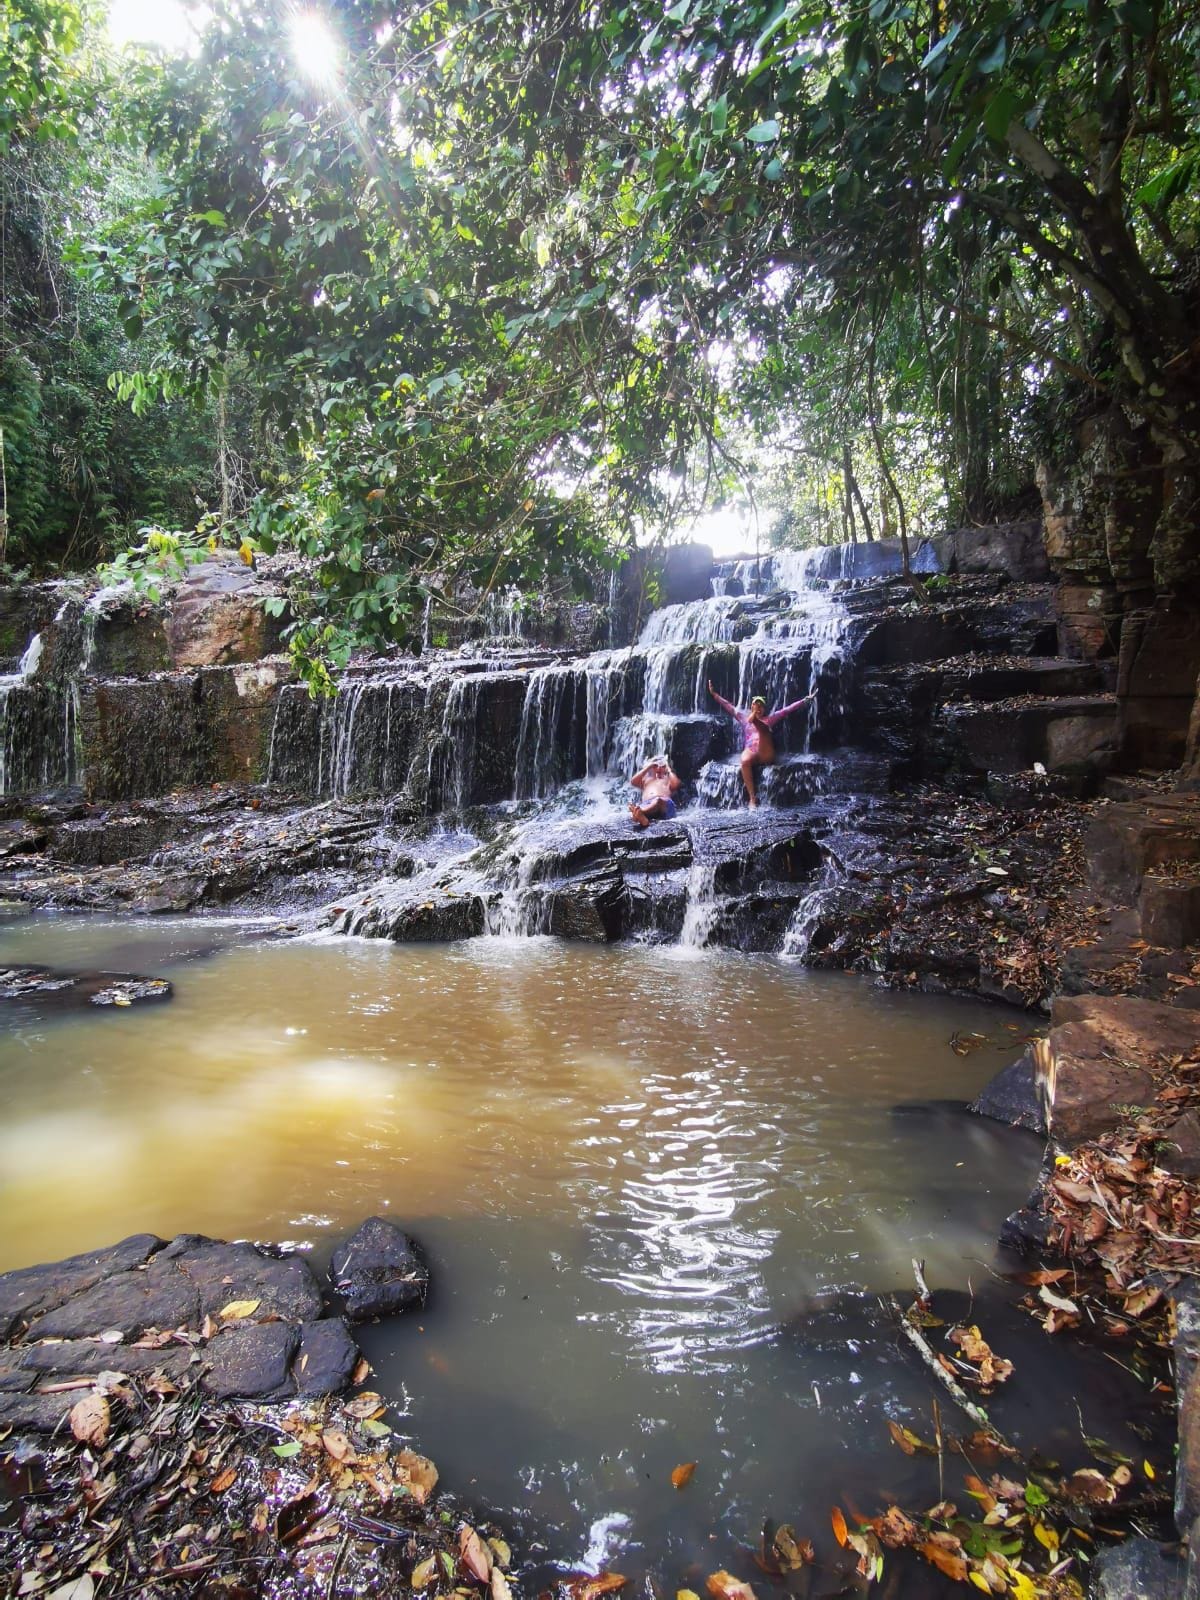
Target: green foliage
[(83, 470), (160, 558), (512, 288), (24, 443), (40, 94)]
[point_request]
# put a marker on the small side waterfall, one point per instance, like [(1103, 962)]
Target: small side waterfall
[(810, 912), (519, 911), (39, 724), (701, 907), (547, 737), (357, 742)]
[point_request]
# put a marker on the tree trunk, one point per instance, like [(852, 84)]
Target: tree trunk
[(847, 500)]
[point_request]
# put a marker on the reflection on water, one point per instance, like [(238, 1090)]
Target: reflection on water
[(630, 1174)]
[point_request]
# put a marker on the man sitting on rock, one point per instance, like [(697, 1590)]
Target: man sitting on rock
[(658, 785)]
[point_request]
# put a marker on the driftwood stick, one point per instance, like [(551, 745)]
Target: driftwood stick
[(924, 1297), (940, 1437), (955, 1389)]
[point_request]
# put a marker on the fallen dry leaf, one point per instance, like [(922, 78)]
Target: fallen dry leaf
[(367, 1404), (501, 1589), (78, 1589), (424, 1573), (592, 1588), (1057, 1302), (474, 1554), (870, 1554), (944, 1551), (1089, 1483), (1142, 1300), (90, 1419), (417, 1473), (793, 1553), (724, 1586), (223, 1480), (993, 1369), (909, 1442), (236, 1310), (338, 1445), (896, 1529)]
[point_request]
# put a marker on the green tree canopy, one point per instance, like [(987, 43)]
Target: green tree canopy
[(506, 286)]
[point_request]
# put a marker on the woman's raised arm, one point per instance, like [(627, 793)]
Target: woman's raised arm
[(724, 704)]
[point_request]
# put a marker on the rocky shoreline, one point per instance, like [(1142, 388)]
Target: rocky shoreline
[(177, 1417), (954, 822)]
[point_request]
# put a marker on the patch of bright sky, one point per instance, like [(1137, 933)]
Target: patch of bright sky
[(174, 27), (729, 531), (166, 23)]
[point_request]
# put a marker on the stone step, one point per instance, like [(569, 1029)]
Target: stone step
[(1008, 677), (1062, 733), (1131, 838), (1022, 625)]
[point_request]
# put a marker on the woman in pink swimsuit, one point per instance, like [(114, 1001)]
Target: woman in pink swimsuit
[(758, 745)]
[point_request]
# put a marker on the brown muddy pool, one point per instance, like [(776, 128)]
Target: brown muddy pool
[(634, 1175)]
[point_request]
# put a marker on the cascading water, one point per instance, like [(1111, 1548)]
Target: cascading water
[(809, 913), (518, 911), (10, 682), (701, 907), (421, 729), (504, 614), (39, 722), (543, 738), (707, 621)]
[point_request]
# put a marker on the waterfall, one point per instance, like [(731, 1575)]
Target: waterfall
[(520, 911), (809, 913), (538, 742), (452, 755), (711, 620), (701, 907), (10, 681), (637, 738), (434, 732), (360, 741), (606, 674), (39, 724), (504, 614)]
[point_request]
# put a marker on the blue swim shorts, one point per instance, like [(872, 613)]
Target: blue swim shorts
[(670, 806)]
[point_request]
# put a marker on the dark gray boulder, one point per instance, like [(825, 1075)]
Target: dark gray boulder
[(377, 1271), (1138, 1570), (284, 1286), (30, 1290), (84, 1358), (130, 1301), (36, 1413), (252, 1363), (326, 1359), (1013, 1096), (590, 909)]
